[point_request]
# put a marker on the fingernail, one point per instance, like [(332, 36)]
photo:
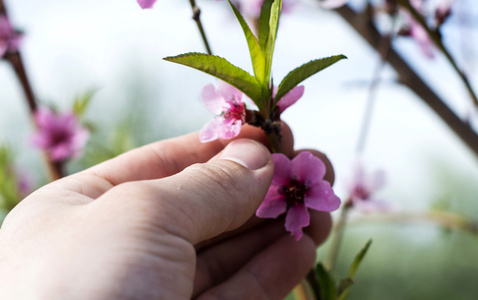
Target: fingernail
[(248, 153)]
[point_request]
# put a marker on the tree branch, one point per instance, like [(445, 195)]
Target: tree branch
[(363, 25)]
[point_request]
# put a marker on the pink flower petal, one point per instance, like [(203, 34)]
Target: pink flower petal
[(291, 97), (282, 170), (213, 102), (60, 135), (307, 168), (321, 197), (210, 131), (146, 3), (3, 49), (297, 217), (229, 129), (376, 180), (273, 205), (228, 92)]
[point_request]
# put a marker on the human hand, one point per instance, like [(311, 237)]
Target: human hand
[(171, 220)]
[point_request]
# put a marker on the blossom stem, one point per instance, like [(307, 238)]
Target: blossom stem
[(54, 169), (274, 142), (196, 17), (339, 229)]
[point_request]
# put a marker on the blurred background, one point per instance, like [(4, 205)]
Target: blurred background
[(116, 49)]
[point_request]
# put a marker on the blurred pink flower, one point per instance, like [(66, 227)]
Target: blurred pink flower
[(442, 11), (146, 3), (9, 38), (226, 103), (297, 185), (24, 184), (362, 188), (331, 4), (416, 30), (60, 135), (252, 8)]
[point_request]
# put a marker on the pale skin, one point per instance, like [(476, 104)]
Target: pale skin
[(171, 220)]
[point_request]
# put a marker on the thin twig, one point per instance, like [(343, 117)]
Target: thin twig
[(55, 169), (337, 238), (364, 26), (439, 43), (197, 18)]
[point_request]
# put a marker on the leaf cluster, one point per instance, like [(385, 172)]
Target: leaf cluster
[(328, 288), (257, 87)]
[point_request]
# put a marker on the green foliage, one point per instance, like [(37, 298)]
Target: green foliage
[(261, 48), (222, 69), (81, 103), (264, 23), (327, 284), (117, 142), (346, 283), (9, 194), (303, 72), (271, 40), (257, 55)]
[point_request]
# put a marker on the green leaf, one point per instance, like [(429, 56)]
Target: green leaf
[(326, 283), (346, 283), (257, 56), (271, 40), (222, 69), (81, 102), (343, 288), (303, 72), (264, 19), (358, 259)]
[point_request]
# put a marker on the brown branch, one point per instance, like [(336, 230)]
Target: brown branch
[(363, 25), (55, 169)]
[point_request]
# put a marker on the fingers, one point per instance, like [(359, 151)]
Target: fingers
[(204, 200), (168, 157), (271, 274), (217, 263)]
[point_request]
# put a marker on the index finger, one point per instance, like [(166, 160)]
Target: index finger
[(168, 157)]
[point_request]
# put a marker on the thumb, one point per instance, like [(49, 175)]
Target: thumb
[(205, 200)]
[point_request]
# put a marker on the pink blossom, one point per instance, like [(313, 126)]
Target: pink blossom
[(297, 185), (252, 8), (362, 188), (421, 36), (226, 103), (442, 11), (290, 98), (60, 135), (9, 38), (146, 3), (24, 184), (416, 30)]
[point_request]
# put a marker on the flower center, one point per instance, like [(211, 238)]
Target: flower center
[(235, 111), (361, 192), (294, 193), (59, 137)]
